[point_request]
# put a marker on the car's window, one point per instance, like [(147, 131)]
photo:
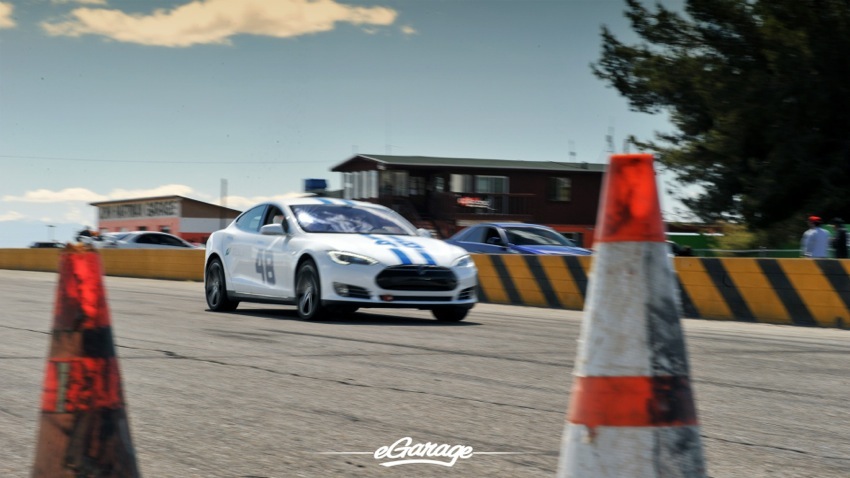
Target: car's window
[(475, 234), (275, 216), (251, 219), (171, 241), (491, 236), (533, 236), (350, 219), (146, 239)]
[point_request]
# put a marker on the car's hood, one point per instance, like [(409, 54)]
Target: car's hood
[(552, 250), (394, 250)]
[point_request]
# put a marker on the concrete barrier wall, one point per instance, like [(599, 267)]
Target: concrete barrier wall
[(778, 291), (173, 264)]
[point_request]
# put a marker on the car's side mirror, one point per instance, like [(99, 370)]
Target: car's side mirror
[(272, 230), (422, 232)]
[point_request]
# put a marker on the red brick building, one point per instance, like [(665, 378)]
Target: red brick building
[(190, 219)]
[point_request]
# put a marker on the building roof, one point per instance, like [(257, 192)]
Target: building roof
[(403, 161), (156, 198)]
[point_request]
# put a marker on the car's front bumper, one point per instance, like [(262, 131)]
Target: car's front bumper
[(358, 285)]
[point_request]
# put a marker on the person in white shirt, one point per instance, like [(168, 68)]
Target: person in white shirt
[(815, 242)]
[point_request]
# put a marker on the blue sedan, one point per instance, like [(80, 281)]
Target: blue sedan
[(515, 238)]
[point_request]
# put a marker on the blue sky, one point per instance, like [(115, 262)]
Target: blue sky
[(109, 99)]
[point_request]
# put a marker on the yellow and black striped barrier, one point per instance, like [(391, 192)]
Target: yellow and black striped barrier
[(811, 292)]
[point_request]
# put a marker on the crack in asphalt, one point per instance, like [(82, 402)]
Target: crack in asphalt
[(773, 447), (174, 355)]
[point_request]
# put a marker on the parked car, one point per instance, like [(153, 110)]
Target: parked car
[(515, 238), (328, 255), (47, 245), (141, 240)]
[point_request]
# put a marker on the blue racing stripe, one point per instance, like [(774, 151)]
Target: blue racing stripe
[(430, 260), (402, 256), (324, 201)]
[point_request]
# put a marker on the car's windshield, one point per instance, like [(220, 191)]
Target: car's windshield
[(334, 218), (533, 236)]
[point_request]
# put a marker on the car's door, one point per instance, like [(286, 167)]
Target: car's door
[(239, 256), (273, 259)]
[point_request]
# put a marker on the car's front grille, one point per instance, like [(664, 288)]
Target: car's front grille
[(466, 294), (420, 298), (417, 277)]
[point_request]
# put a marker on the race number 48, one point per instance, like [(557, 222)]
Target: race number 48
[(264, 265)]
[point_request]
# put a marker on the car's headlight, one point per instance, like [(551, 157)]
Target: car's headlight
[(348, 258), (463, 261)]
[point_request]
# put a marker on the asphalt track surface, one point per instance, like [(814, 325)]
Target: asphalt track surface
[(258, 393)]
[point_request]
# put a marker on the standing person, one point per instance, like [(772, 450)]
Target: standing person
[(839, 242), (815, 242)]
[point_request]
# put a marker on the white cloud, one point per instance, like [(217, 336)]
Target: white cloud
[(242, 203), (86, 195), (6, 20), (11, 216), (215, 21), (48, 196), (166, 190), (408, 30), (81, 2)]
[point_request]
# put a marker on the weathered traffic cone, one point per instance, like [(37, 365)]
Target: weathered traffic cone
[(83, 429), (632, 411)]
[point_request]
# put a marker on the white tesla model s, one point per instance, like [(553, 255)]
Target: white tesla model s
[(327, 255)]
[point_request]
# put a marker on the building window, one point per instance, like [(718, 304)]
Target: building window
[(560, 189), (373, 184), (165, 229), (417, 186), (461, 183), (347, 186), (491, 184), (439, 184), (357, 180), (394, 183)]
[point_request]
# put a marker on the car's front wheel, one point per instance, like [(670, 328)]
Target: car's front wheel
[(450, 314), (216, 288), (307, 292)]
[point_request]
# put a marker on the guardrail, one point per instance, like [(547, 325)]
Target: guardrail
[(808, 292)]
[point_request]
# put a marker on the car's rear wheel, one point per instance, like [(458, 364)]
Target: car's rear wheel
[(216, 288), (308, 293), (450, 314)]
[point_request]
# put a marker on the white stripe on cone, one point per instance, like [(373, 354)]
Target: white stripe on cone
[(629, 281), (629, 453)]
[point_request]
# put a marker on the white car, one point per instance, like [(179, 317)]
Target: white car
[(140, 240), (329, 256)]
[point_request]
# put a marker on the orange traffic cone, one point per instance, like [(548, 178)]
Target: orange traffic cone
[(83, 429), (631, 412)]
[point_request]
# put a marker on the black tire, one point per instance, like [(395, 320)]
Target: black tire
[(215, 288), (308, 292), (450, 314)]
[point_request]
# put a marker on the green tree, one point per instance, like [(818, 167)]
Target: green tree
[(758, 92)]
